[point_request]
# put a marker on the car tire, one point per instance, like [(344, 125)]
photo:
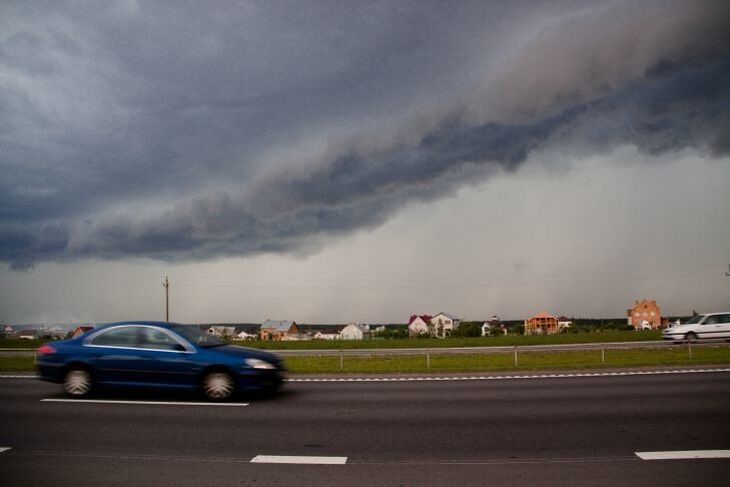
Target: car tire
[(78, 382), (691, 337), (218, 385)]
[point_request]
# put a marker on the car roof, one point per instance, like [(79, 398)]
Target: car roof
[(162, 324)]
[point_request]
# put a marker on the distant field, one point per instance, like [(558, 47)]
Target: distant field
[(506, 340), (501, 341)]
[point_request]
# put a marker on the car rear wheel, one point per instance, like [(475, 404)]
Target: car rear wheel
[(218, 386), (77, 382)]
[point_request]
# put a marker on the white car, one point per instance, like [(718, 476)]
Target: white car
[(709, 325)]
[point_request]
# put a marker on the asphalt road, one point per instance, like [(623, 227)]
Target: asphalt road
[(547, 431)]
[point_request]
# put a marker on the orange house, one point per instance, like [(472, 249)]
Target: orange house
[(541, 324)]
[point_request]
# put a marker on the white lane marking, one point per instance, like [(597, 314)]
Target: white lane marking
[(304, 460), (153, 403), (505, 377), (682, 455), (4, 448)]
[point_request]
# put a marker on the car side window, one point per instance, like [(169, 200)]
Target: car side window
[(117, 337), (158, 340), (724, 318), (712, 320)]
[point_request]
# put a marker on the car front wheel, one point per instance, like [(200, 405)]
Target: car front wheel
[(77, 382), (218, 386), (691, 337)]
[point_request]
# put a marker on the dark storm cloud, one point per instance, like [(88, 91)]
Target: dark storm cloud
[(155, 133)]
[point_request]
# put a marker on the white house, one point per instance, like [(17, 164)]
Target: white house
[(564, 323), (486, 329), (222, 331), (419, 325), (354, 331), (244, 335), (444, 324), (326, 335), (490, 327)]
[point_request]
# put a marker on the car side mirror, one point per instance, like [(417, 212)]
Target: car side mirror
[(178, 348)]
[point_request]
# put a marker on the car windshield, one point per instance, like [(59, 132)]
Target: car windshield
[(694, 319), (196, 336)]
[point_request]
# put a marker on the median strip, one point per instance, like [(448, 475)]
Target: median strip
[(153, 403), (682, 455), (299, 460)]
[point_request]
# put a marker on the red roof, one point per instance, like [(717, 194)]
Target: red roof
[(544, 315), (426, 318)]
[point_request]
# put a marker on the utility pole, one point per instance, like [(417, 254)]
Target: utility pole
[(166, 285)]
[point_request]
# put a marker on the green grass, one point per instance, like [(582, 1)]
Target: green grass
[(497, 362), (16, 343), (500, 341), (417, 363), (17, 364)]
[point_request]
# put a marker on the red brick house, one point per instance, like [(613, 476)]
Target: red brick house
[(645, 315)]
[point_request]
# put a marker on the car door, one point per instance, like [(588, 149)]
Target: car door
[(710, 327), (114, 354), (167, 359), (724, 326)]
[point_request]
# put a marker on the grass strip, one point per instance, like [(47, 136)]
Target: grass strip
[(17, 364), (495, 362), (419, 363)]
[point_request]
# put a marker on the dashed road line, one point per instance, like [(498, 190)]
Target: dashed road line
[(153, 403), (4, 448), (682, 455), (299, 460), (504, 377)]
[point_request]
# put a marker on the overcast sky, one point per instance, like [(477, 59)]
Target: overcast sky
[(362, 161)]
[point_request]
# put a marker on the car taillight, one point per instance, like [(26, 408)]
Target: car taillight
[(46, 350)]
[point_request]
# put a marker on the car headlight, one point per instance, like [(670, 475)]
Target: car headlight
[(255, 363)]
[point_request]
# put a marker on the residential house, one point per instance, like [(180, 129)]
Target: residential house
[(222, 331), (419, 325), (493, 326), (326, 335), (80, 330), (355, 331), (645, 315), (444, 324), (279, 330), (248, 331), (564, 323), (541, 324)]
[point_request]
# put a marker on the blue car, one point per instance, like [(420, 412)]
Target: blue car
[(157, 355)]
